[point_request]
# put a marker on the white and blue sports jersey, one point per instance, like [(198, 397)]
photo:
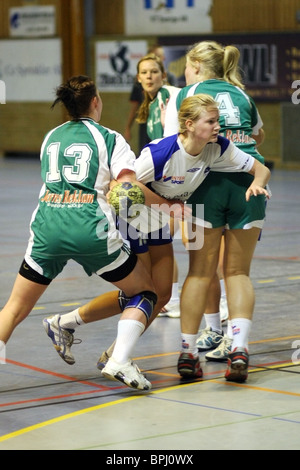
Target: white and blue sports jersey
[(166, 168)]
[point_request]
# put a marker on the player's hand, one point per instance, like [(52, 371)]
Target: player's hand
[(255, 190)]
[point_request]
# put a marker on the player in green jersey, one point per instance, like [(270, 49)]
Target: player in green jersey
[(152, 76), (74, 221)]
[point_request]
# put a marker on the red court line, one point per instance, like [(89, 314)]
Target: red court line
[(55, 374), (100, 388), (55, 397), (103, 388)]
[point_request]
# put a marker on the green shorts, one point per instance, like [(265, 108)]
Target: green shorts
[(61, 236), (223, 197)]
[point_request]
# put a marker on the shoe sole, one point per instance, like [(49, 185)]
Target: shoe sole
[(238, 372), (217, 359), (187, 373), (56, 347)]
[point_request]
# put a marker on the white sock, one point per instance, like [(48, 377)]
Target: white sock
[(2, 352), (240, 332), (188, 344), (71, 320), (129, 332), (213, 320), (222, 285), (175, 293), (229, 329)]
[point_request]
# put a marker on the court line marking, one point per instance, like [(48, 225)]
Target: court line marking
[(101, 388), (154, 392)]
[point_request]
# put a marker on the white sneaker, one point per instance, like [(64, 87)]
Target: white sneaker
[(223, 310), (221, 353), (128, 373), (171, 310)]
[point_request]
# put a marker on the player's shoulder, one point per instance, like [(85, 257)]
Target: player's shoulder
[(221, 145), (162, 149)]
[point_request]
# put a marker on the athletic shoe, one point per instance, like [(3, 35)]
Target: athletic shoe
[(128, 373), (209, 339), (171, 310), (61, 338), (237, 366), (189, 366), (223, 310), (102, 361), (221, 353)]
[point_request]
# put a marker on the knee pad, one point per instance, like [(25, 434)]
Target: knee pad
[(144, 301)]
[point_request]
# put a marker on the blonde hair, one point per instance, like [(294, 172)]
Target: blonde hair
[(217, 61), (192, 109), (143, 111)]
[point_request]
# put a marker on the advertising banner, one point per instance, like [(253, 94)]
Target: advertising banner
[(116, 63), (32, 21), (151, 17), (270, 63), (30, 69)]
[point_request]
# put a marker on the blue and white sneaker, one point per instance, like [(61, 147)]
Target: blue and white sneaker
[(221, 353), (209, 339), (61, 338)]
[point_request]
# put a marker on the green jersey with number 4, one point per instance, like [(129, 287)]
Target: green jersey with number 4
[(239, 117)]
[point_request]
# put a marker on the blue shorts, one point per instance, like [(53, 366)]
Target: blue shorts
[(139, 242)]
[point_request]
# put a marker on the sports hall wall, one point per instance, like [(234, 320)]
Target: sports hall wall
[(79, 24)]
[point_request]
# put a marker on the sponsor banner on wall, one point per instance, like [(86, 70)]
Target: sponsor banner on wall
[(32, 21), (270, 63), (30, 69), (115, 64), (173, 17)]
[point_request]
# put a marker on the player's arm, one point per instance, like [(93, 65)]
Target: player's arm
[(125, 175), (261, 177), (259, 138), (154, 200)]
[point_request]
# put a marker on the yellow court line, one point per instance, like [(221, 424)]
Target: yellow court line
[(266, 281), (154, 392), (62, 418), (86, 410)]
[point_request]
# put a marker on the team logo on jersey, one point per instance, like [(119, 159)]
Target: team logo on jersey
[(68, 198), (174, 179), (193, 170)]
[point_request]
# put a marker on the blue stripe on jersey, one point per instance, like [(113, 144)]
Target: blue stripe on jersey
[(223, 142), (161, 152)]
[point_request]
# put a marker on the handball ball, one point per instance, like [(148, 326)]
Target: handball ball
[(124, 195)]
